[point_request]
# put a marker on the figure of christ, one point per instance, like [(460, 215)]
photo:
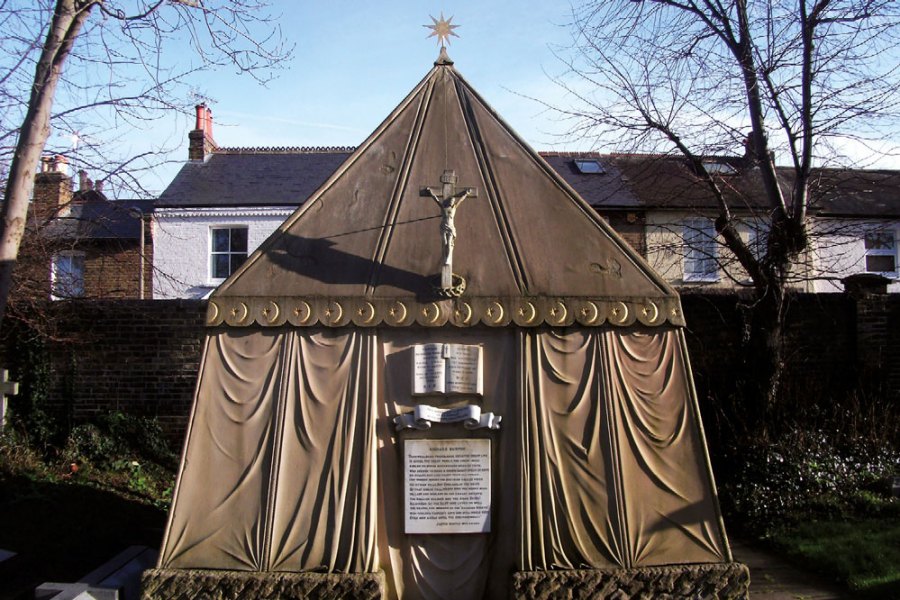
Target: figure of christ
[(448, 198), (448, 214)]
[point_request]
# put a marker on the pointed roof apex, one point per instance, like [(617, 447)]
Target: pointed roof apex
[(443, 58), (376, 244)]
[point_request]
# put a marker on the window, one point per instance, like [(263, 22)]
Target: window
[(67, 275), (589, 167), (228, 249), (719, 168), (700, 251), (881, 252), (758, 239)]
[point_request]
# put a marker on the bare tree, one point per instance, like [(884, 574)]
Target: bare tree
[(94, 67), (792, 78)]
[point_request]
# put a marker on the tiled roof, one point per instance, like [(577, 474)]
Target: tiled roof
[(600, 190), (670, 183), (857, 193), (287, 176), (99, 220), (278, 177)]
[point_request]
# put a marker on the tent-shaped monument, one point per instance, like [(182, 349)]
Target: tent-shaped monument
[(573, 454)]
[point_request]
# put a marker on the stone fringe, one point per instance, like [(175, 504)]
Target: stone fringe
[(185, 584), (706, 581)]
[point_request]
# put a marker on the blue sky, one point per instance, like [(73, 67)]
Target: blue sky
[(355, 61)]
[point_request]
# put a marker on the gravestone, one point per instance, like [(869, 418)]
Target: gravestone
[(360, 430), (7, 388)]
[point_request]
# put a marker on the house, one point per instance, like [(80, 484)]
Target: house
[(225, 201), (857, 226), (80, 244), (222, 205), (853, 226)]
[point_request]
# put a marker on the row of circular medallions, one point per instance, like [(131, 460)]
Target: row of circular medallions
[(494, 312)]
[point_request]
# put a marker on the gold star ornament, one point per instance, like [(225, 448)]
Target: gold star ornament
[(442, 29)]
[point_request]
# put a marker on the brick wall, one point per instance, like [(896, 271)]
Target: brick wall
[(143, 357), (139, 357), (112, 268), (112, 265), (821, 347)]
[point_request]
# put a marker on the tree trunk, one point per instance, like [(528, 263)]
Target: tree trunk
[(765, 355), (68, 18)]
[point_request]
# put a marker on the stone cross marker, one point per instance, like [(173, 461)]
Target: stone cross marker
[(7, 387), (448, 197)]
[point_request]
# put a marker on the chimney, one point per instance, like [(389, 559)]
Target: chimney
[(52, 189), (200, 141), (84, 184), (55, 164), (750, 157)]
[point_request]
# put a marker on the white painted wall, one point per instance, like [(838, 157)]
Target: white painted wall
[(666, 253), (181, 239), (839, 250), (181, 244)]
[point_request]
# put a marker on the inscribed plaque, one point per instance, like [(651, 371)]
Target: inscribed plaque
[(448, 486), (447, 369)]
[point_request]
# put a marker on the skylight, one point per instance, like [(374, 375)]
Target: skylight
[(590, 167), (719, 168)]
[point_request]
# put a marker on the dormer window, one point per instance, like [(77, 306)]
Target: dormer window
[(719, 168), (589, 166)]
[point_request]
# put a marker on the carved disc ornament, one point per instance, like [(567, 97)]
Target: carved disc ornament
[(458, 312)]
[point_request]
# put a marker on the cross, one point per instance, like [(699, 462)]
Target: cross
[(6, 387), (448, 197)]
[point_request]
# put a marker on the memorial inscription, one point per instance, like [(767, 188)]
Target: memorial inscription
[(448, 486)]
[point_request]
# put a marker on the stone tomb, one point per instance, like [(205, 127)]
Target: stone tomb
[(7, 388), (363, 429)]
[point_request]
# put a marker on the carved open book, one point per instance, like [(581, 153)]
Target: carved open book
[(447, 369)]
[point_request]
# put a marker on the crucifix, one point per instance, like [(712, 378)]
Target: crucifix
[(448, 197), (6, 387)]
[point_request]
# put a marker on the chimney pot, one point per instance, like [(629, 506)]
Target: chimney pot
[(61, 164), (201, 117), (200, 141), (98, 185), (82, 180)]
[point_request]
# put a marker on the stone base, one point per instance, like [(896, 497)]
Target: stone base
[(191, 584), (717, 580)]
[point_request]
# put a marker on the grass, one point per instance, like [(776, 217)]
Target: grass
[(862, 553)]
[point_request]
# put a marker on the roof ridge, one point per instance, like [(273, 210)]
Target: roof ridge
[(573, 153), (283, 149)]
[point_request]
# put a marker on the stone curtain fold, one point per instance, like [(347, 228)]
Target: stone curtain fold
[(288, 417), (324, 511), (293, 462), (613, 460), (217, 517), (669, 510)]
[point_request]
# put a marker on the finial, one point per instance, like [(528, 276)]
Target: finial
[(442, 29), (443, 58)]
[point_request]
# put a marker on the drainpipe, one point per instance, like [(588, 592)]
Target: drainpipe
[(137, 213)]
